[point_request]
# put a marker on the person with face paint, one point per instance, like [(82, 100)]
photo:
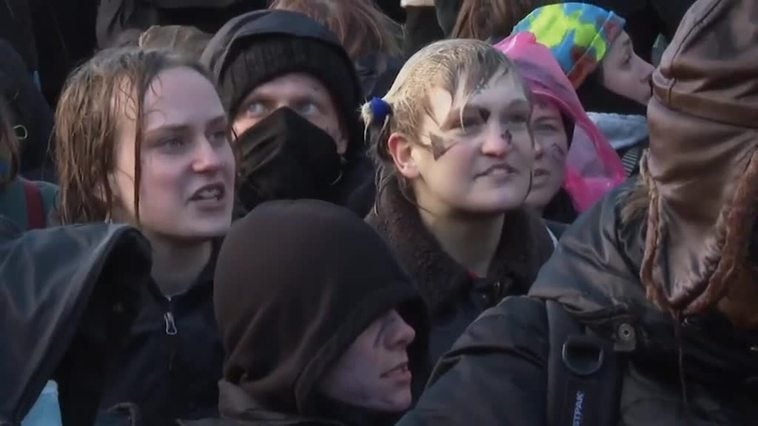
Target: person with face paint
[(455, 154), (141, 139), (293, 95), (657, 285), (320, 324), (598, 57), (574, 164)]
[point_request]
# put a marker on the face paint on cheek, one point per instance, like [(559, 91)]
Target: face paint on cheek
[(507, 136), (439, 145), (556, 153)]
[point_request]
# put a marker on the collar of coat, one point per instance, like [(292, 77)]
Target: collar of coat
[(524, 246)]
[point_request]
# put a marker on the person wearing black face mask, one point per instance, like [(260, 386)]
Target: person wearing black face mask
[(268, 60), (286, 157)]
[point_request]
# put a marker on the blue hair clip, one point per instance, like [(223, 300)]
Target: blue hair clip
[(380, 109)]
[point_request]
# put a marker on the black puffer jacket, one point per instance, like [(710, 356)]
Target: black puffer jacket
[(57, 311), (504, 354)]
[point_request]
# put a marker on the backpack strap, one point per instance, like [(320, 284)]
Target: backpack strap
[(35, 211), (583, 373)]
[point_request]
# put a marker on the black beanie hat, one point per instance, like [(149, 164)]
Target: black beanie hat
[(260, 46)]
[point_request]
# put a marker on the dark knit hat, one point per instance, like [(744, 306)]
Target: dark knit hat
[(260, 46)]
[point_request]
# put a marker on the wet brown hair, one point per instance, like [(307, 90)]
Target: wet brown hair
[(457, 66), (485, 19), (360, 25), (8, 144), (96, 98)]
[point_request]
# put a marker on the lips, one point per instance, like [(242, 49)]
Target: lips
[(499, 170), (541, 172), (400, 371), (212, 192)]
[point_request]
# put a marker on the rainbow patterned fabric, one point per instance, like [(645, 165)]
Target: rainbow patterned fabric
[(578, 34)]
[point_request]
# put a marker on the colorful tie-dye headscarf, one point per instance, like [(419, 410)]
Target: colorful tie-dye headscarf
[(578, 34)]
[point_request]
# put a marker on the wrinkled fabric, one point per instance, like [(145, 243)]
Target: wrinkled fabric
[(579, 35), (622, 130), (703, 163), (50, 305), (296, 283), (284, 156), (594, 275), (592, 166)]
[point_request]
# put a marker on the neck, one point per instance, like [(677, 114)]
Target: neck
[(177, 264), (470, 241)]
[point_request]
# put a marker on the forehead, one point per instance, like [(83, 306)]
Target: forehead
[(496, 94), (180, 96), (292, 84)]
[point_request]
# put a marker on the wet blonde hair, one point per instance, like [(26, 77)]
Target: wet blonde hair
[(360, 25), (445, 64), (94, 101)]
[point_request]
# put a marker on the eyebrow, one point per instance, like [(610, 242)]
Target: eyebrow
[(219, 120), (454, 116)]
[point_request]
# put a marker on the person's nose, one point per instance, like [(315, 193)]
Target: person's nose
[(402, 334), (208, 157), (497, 141)]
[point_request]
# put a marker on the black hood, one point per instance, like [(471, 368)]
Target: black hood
[(59, 288), (296, 283)]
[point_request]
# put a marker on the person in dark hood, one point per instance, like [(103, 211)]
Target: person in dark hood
[(270, 66), (320, 324), (455, 151), (661, 275), (371, 39), (141, 138)]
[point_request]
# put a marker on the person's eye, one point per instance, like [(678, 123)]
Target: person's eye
[(255, 109), (171, 144), (218, 136), (307, 108), (545, 127)]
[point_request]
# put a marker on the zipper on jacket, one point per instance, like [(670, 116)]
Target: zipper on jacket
[(171, 331)]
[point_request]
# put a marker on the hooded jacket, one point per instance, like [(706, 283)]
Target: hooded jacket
[(695, 368), (56, 309), (592, 167), (453, 295), (296, 283), (280, 42)]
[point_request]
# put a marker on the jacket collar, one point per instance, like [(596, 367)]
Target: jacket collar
[(440, 280)]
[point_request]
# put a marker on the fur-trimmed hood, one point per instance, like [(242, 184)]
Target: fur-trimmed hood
[(524, 246)]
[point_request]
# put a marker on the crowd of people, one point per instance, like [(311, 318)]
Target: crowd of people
[(364, 212)]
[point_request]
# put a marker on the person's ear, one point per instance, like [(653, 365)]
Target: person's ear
[(400, 149)]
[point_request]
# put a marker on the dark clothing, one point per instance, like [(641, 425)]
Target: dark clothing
[(594, 275), (453, 295), (645, 19), (58, 311), (421, 29), (321, 276), (170, 362), (116, 16), (30, 111), (376, 73), (16, 27)]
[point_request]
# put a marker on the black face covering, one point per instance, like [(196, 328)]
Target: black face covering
[(286, 157)]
